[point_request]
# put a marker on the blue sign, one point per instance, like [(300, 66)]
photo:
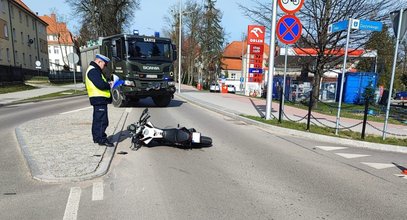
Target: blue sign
[(254, 70), (366, 25), (289, 29), (241, 79), (338, 26)]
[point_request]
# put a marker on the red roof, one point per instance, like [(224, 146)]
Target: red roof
[(339, 52), (57, 28), (232, 55)]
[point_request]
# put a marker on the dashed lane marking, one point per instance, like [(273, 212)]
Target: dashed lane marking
[(327, 148), (379, 166), (97, 193), (77, 110), (350, 156), (71, 209)]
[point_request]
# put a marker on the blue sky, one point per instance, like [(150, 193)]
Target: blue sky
[(150, 17)]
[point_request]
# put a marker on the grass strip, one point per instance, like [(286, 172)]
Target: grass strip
[(331, 132)]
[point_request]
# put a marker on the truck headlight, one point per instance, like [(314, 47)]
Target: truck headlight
[(129, 83), (171, 83)]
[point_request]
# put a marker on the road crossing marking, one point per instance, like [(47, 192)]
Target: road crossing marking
[(327, 148), (97, 193), (350, 156), (379, 166), (71, 209), (77, 110)]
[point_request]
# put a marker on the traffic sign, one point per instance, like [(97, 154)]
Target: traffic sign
[(290, 6), (289, 29), (338, 26), (366, 25)]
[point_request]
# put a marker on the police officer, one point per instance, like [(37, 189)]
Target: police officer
[(99, 96)]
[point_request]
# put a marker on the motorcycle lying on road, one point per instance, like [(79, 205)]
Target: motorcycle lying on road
[(143, 132)]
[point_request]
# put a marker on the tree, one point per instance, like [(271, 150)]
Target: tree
[(384, 44), (202, 38), (316, 16), (104, 18)]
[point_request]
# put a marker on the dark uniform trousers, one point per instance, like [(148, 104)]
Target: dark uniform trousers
[(100, 123)]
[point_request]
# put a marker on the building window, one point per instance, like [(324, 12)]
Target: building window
[(26, 20), (1, 51), (8, 55), (16, 56), (2, 6), (50, 49), (5, 31), (14, 35), (33, 24), (57, 62), (56, 50), (22, 38), (24, 60), (20, 16), (31, 61)]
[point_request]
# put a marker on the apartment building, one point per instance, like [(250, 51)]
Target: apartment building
[(60, 44), (23, 42)]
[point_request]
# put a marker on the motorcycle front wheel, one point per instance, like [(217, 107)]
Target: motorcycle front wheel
[(205, 141)]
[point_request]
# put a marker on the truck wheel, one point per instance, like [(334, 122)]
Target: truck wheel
[(162, 101), (117, 98)]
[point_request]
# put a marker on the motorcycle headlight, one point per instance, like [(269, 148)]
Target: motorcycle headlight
[(132, 128), (128, 83)]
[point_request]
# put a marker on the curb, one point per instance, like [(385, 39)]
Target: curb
[(101, 169), (303, 134)]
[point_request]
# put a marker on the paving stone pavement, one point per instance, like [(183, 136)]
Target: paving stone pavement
[(60, 148)]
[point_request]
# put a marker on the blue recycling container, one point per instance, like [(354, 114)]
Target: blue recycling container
[(355, 85)]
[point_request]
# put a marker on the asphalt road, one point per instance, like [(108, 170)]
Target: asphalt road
[(248, 173)]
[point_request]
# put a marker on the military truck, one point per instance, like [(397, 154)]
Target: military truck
[(144, 63)]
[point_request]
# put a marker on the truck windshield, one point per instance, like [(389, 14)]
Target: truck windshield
[(149, 50)]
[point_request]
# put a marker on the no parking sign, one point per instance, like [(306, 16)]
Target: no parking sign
[(289, 29)]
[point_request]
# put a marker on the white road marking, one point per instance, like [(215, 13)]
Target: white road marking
[(71, 210), (97, 193), (401, 176), (327, 148), (379, 166), (350, 156), (128, 110), (77, 110)]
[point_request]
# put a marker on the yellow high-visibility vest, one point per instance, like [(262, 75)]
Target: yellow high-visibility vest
[(93, 91)]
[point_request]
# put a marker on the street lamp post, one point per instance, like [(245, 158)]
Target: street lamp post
[(179, 46)]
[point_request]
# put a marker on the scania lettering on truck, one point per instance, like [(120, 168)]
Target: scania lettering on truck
[(145, 64)]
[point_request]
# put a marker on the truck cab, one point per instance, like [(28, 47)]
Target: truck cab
[(145, 64)]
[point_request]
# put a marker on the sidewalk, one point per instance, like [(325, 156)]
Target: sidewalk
[(9, 98), (239, 104)]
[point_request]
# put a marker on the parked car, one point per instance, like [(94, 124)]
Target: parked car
[(214, 87), (401, 95), (231, 89)]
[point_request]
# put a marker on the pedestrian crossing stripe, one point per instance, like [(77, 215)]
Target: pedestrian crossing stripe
[(327, 148), (350, 156), (379, 166)]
